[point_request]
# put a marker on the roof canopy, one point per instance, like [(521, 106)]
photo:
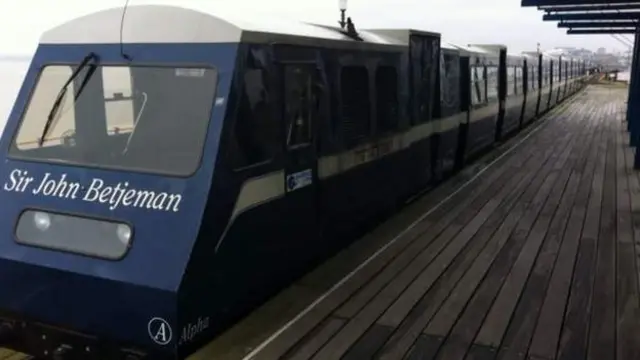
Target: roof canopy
[(591, 16)]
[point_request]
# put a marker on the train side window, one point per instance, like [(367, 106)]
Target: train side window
[(356, 106), (386, 98), (298, 106), (511, 80), (255, 134)]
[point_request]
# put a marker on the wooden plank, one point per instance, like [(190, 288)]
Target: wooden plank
[(317, 339), (547, 331), (545, 202), (352, 331), (411, 329), (520, 330), (602, 329), (576, 325), (446, 317), (399, 310)]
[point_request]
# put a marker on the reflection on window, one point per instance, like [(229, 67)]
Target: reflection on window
[(450, 85), (99, 128), (255, 133), (387, 98), (50, 81), (478, 84), (533, 76), (354, 90), (492, 83), (511, 80), (546, 71), (118, 93), (298, 105)]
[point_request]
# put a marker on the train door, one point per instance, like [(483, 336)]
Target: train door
[(465, 105), (300, 109)]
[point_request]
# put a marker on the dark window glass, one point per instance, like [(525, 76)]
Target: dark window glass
[(387, 98), (356, 115), (298, 104), (255, 133)]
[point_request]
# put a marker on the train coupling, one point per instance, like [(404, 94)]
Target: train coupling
[(45, 343)]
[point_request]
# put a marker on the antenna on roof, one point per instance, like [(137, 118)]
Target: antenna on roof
[(124, 13)]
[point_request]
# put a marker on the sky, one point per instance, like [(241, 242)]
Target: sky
[(459, 21)]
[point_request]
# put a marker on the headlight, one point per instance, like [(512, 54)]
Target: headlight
[(41, 220), (63, 232), (124, 233)]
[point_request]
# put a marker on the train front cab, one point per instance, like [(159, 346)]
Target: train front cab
[(109, 154)]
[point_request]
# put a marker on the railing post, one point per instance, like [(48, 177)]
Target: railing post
[(632, 81), (633, 101)]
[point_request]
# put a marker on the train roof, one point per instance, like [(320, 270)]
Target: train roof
[(193, 21), (449, 46), (402, 35), (490, 48)]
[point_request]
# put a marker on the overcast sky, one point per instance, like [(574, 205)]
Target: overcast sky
[(459, 21)]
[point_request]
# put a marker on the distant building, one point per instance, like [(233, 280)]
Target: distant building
[(601, 51)]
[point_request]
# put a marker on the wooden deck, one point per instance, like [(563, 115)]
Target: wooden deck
[(532, 256)]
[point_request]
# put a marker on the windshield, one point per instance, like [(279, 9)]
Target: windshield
[(141, 118)]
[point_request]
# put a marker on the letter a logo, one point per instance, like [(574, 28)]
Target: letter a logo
[(159, 331)]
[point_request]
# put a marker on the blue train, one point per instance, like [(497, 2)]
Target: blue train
[(166, 171)]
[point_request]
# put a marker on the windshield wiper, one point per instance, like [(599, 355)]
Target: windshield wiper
[(63, 92)]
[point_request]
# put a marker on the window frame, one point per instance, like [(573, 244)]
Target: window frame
[(146, 64)]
